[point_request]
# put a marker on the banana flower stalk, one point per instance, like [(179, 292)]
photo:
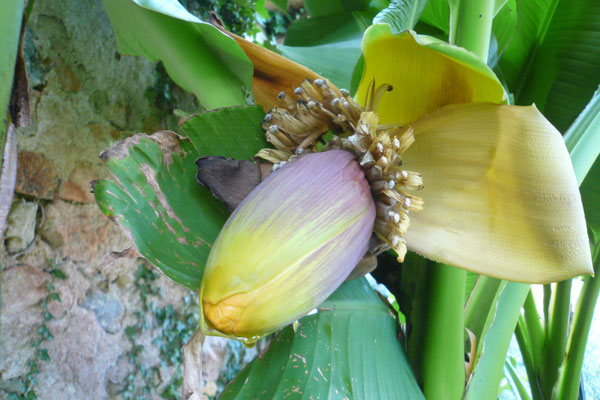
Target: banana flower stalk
[(494, 188)]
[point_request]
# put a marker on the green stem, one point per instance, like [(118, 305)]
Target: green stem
[(488, 373), (511, 373), (443, 343), (555, 344), (474, 26), (546, 306), (521, 333), (481, 302), (534, 329), (419, 267), (570, 376)]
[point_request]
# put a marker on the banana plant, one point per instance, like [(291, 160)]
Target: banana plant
[(436, 164)]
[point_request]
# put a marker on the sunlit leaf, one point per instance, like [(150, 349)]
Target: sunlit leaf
[(281, 4), (583, 138), (590, 195), (349, 349), (10, 28), (196, 55)]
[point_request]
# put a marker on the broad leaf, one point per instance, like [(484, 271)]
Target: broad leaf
[(10, 29), (281, 4), (328, 29), (334, 61), (533, 18), (349, 349), (583, 138), (590, 195), (503, 26), (319, 8), (233, 132), (196, 55), (437, 14), (401, 14), (553, 57), (171, 219), (329, 45), (583, 141)]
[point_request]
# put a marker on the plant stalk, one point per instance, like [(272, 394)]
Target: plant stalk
[(546, 306), (555, 343), (443, 344), (474, 26), (488, 373), (522, 335), (570, 374), (419, 267), (511, 372), (535, 330)]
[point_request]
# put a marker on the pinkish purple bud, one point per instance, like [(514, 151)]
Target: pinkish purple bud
[(287, 246)]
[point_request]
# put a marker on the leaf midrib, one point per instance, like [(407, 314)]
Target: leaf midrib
[(542, 31)]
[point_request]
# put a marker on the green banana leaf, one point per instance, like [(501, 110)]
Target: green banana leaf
[(590, 195), (319, 8), (488, 372), (349, 349), (329, 45), (583, 138), (233, 132), (328, 29), (197, 56), (552, 59), (10, 29), (334, 61), (171, 220), (401, 14)]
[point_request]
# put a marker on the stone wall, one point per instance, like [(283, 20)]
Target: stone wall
[(73, 329)]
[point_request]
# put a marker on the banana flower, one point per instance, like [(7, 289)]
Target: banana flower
[(497, 192)]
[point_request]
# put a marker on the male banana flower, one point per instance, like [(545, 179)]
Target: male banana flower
[(497, 192), (266, 268)]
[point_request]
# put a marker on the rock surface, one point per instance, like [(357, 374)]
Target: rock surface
[(82, 331), (20, 230), (108, 310)]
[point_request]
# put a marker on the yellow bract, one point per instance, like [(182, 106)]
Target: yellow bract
[(424, 76), (500, 195)]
